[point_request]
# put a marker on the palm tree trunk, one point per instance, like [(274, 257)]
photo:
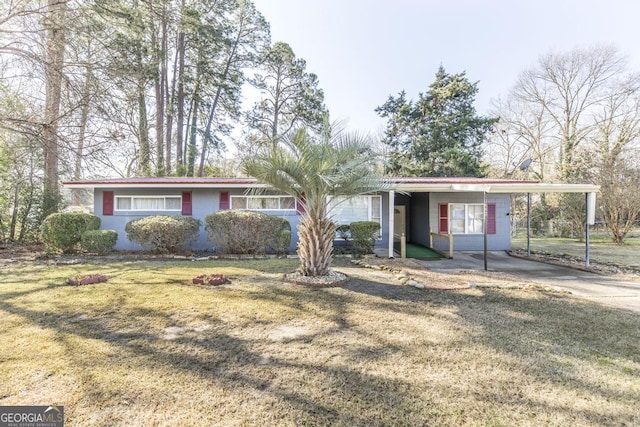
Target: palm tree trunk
[(315, 247)]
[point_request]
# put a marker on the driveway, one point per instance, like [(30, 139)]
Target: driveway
[(604, 289)]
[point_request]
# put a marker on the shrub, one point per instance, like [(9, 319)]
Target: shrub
[(343, 231), (283, 242), (99, 241), (364, 235), (247, 232), (63, 231), (163, 233)]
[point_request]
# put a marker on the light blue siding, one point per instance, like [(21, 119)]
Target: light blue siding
[(204, 202), (422, 212), (501, 241)]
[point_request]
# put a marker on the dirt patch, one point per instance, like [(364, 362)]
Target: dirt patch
[(414, 273), (12, 253), (289, 332)]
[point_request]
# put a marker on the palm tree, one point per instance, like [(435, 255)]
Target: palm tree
[(313, 170)]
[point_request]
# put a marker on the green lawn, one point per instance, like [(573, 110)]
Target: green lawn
[(147, 348), (601, 248)]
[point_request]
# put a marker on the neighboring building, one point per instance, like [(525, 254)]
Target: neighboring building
[(418, 206)]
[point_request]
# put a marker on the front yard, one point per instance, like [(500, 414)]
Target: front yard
[(603, 252), (149, 348)]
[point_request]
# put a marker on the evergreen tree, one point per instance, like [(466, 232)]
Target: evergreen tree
[(440, 134), (290, 95)]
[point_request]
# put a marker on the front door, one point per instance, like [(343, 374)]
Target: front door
[(399, 220)]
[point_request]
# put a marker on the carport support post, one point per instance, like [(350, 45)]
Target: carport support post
[(586, 228), (391, 220), (484, 231), (528, 224)]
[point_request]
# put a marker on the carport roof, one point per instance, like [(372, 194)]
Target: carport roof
[(489, 185), (403, 184)]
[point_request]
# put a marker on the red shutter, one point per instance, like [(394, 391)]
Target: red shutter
[(491, 218), (224, 200), (187, 205), (107, 203), (300, 206), (443, 218)]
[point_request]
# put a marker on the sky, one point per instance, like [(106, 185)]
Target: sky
[(363, 51)]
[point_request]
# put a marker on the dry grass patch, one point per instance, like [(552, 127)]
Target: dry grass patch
[(147, 349), (604, 255), (454, 280)]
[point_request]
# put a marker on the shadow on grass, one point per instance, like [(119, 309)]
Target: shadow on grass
[(219, 357), (548, 338)]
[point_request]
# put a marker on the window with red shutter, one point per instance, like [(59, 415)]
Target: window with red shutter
[(187, 205), (443, 218), (224, 200), (491, 218), (107, 203)]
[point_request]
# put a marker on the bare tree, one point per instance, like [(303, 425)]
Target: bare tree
[(522, 133), (567, 88), (612, 157)]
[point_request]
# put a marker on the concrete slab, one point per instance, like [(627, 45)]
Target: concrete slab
[(607, 290)]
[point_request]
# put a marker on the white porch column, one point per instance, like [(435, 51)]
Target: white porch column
[(392, 204)]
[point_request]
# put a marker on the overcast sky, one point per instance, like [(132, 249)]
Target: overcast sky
[(365, 50)]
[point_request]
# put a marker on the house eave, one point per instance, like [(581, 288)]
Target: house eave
[(177, 185), (498, 188), (405, 185), (167, 182)]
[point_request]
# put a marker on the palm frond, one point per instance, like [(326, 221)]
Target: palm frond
[(314, 170)]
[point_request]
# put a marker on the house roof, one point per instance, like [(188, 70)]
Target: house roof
[(489, 185), (165, 182), (402, 184)]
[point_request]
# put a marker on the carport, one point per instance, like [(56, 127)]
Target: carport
[(481, 189)]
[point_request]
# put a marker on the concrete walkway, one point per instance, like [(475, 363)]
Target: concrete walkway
[(604, 289)]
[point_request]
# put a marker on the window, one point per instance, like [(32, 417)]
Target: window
[(359, 208), (263, 203), (148, 203), (466, 218)]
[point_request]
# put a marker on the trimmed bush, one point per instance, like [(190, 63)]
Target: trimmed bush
[(99, 241), (283, 242), (163, 233), (364, 235), (63, 231), (343, 231), (247, 232)]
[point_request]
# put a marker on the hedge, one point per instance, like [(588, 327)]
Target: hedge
[(247, 232), (364, 235), (163, 233), (99, 241), (63, 231)]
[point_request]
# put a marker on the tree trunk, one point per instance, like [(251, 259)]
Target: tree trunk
[(207, 133), (26, 211), (14, 214), (180, 104), (159, 83), (167, 96), (84, 117), (315, 247), (143, 131), (54, 64), (193, 134)]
